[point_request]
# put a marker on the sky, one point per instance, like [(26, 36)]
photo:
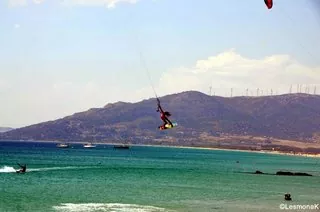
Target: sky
[(59, 57)]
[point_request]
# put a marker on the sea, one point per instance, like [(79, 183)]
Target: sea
[(152, 179)]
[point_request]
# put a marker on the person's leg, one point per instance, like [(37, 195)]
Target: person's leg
[(164, 119), (168, 121)]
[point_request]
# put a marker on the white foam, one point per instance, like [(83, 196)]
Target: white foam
[(52, 168), (7, 169), (108, 207)]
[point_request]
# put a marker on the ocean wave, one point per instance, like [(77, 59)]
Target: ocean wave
[(7, 169), (107, 207), (52, 168)]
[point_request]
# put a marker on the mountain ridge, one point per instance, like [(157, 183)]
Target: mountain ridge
[(289, 117)]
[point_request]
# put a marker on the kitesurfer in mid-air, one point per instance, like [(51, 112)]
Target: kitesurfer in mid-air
[(164, 116), (23, 168)]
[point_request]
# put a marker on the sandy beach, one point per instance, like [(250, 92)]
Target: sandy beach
[(240, 150)]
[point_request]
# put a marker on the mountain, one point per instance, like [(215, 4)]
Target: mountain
[(202, 119), (5, 129)]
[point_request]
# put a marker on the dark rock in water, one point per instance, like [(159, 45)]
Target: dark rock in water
[(259, 172), (284, 173), (292, 173), (302, 174), (287, 197)]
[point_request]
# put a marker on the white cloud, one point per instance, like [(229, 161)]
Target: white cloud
[(106, 3), (69, 97), (17, 3), (38, 1), (20, 3), (37, 101), (17, 26), (229, 70), (3, 84)]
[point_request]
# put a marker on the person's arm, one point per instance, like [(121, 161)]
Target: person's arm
[(159, 106)]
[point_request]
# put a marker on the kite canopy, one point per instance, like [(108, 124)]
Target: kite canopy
[(269, 3)]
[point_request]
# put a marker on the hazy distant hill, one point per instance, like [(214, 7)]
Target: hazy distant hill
[(5, 129), (292, 116)]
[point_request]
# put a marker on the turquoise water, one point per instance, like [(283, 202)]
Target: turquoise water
[(150, 179)]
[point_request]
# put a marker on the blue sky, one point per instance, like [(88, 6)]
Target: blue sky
[(61, 57)]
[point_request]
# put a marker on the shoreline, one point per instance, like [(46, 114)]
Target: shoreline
[(240, 150), (299, 154)]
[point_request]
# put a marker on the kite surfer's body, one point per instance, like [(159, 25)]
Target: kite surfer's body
[(164, 116), (23, 168)]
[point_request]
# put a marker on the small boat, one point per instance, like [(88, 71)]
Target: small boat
[(121, 146), (63, 145), (89, 145)]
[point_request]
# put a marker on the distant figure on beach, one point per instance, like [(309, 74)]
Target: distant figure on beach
[(23, 168), (287, 197)]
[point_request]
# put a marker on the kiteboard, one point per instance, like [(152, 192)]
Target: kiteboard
[(168, 126)]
